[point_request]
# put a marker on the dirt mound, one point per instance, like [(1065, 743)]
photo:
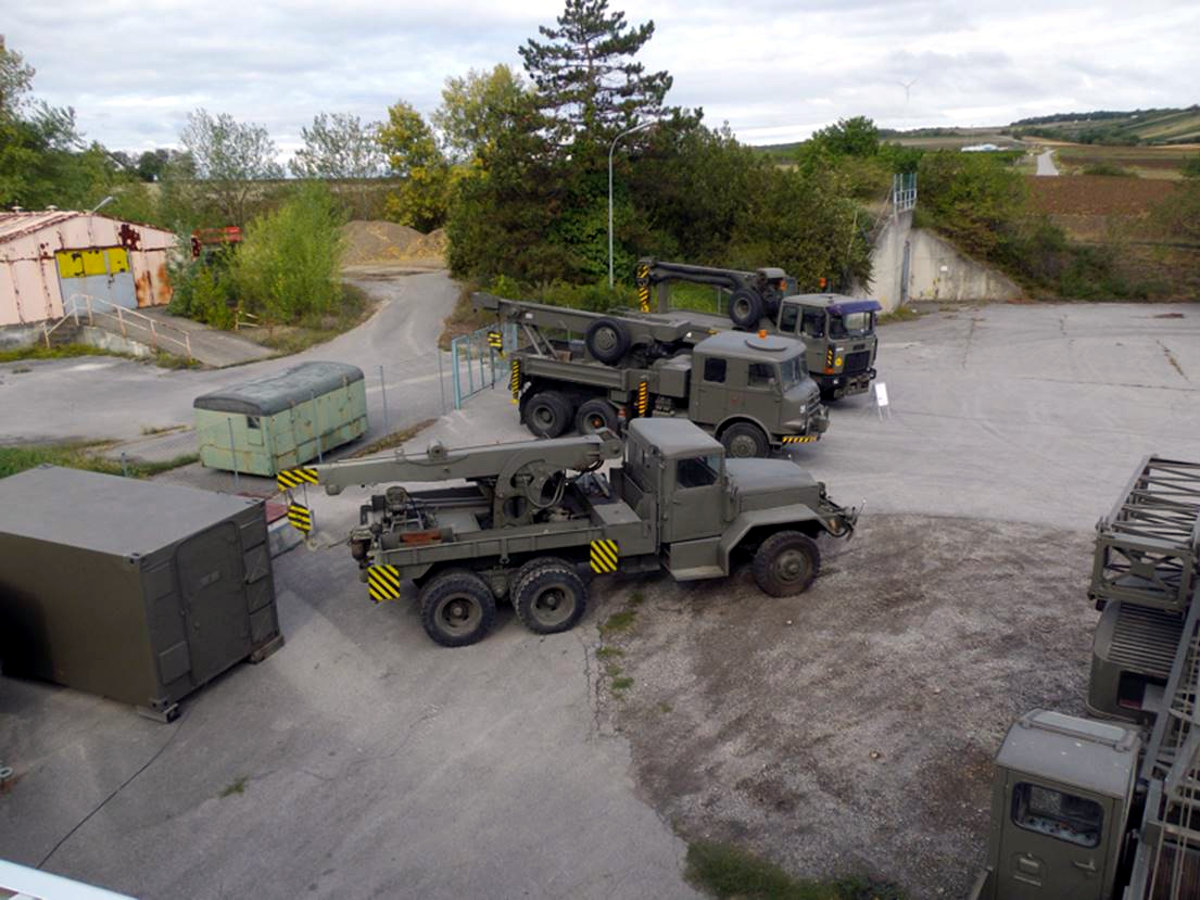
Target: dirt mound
[(383, 242)]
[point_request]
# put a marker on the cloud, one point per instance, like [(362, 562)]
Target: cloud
[(775, 69)]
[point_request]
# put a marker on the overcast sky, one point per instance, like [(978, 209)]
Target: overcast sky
[(775, 70)]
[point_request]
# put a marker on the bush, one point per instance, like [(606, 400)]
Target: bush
[(1109, 169), (287, 267)]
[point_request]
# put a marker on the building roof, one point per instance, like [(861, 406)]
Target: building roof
[(275, 393), (18, 224)]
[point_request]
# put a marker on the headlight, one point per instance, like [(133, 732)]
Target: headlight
[(803, 409)]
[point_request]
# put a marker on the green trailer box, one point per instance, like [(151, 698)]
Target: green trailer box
[(134, 590), (261, 427)]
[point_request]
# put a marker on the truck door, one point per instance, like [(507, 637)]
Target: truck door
[(711, 400), (691, 500), (1054, 842)]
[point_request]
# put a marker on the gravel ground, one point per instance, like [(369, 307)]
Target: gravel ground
[(850, 730)]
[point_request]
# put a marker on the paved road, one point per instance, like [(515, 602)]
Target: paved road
[(1045, 163), (378, 764)]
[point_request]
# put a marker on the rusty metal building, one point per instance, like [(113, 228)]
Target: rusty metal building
[(49, 258)]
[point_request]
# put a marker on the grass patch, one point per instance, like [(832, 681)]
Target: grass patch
[(664, 707), (150, 430), (623, 683), (1110, 169), (612, 670), (82, 456), (610, 653), (395, 439), (237, 786), (725, 871), (619, 621), (899, 314), (64, 351), (355, 308)]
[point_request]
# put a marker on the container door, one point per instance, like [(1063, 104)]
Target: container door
[(1053, 844), (212, 579)]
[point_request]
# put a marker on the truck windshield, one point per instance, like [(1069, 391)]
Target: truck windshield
[(788, 317), (857, 324), (791, 373)]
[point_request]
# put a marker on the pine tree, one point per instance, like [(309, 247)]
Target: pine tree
[(586, 75)]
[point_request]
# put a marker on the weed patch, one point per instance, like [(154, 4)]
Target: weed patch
[(237, 786), (82, 456), (725, 871)]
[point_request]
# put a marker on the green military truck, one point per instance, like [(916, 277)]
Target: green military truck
[(1092, 810), (537, 519), (752, 391), (838, 331)]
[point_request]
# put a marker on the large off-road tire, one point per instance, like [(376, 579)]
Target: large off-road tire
[(743, 440), (457, 608), (548, 414), (786, 563), (745, 308), (550, 597), (595, 415), (607, 340)]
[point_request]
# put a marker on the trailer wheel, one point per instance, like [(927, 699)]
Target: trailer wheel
[(548, 414), (595, 415), (550, 597), (786, 563), (457, 608), (608, 340), (745, 308), (743, 440)]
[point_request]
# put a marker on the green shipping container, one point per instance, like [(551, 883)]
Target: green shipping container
[(261, 427)]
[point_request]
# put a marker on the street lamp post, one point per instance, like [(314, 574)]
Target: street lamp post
[(611, 148)]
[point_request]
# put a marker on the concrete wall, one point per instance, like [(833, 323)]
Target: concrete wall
[(938, 271), (887, 262), (18, 337)]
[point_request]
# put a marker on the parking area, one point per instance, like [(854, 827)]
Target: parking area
[(846, 730)]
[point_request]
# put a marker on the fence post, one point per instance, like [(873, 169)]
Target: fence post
[(383, 389), (153, 335), (441, 380), (124, 465), (233, 455), (455, 377)]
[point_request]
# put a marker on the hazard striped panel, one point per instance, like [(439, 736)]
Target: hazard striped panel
[(798, 438), (643, 287), (300, 516), (514, 380), (292, 478), (643, 398), (383, 583), (604, 556), (496, 340)]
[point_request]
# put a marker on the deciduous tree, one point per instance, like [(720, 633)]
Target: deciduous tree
[(422, 197), (230, 156)]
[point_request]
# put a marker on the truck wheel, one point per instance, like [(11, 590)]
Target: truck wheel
[(548, 414), (550, 598), (607, 340), (457, 608), (595, 415), (786, 563), (743, 440), (745, 308)]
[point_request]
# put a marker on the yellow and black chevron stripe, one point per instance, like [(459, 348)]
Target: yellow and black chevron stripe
[(644, 297), (514, 379), (798, 438), (496, 340), (383, 583), (300, 517), (293, 478), (643, 400), (604, 556)]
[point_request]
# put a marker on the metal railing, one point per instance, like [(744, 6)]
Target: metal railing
[(477, 359), (126, 319)]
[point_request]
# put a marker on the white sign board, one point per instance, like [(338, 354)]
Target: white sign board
[(881, 397)]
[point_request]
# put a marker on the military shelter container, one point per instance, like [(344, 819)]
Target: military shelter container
[(135, 590), (51, 260), (261, 427)]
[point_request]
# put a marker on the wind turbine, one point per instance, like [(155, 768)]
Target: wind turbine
[(907, 85)]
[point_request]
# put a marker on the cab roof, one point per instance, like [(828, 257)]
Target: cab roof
[(1086, 754), (675, 437), (752, 346), (838, 304)]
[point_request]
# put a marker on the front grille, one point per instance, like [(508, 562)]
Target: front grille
[(857, 362)]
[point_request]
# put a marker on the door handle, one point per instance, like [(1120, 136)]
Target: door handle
[(1089, 866)]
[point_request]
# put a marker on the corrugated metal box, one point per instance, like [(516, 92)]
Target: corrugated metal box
[(283, 420), (135, 590)]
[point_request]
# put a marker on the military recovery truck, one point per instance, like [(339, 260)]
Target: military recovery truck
[(751, 391), (838, 331), (1111, 809), (537, 519)]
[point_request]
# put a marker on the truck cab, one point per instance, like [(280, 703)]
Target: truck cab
[(839, 333), (755, 387), (1061, 800)]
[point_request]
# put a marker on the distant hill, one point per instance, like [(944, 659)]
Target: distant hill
[(1139, 126)]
